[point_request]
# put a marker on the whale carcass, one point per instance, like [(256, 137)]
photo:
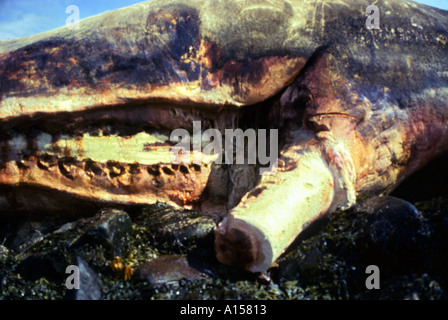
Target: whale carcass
[(86, 114)]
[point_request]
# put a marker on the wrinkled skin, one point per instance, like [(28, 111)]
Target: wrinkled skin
[(85, 115)]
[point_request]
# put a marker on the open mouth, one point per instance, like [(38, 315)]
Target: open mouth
[(120, 155)]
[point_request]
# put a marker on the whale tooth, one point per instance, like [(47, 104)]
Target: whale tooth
[(42, 165)]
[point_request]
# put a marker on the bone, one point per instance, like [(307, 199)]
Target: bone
[(266, 221)]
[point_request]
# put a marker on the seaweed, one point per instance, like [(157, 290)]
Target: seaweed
[(329, 264)]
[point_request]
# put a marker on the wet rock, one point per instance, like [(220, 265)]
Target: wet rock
[(28, 234), (89, 284), (395, 234), (407, 287), (385, 231), (25, 233), (50, 265), (306, 256), (95, 239), (436, 213), (110, 228), (329, 264), (167, 269), (173, 229)]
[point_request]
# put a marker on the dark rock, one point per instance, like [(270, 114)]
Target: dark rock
[(435, 212), (395, 234), (173, 229), (406, 287), (49, 265), (110, 228), (306, 256), (385, 231), (26, 236), (25, 233), (167, 269), (89, 284), (95, 239)]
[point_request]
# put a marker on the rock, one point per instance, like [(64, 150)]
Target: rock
[(395, 234), (95, 239), (110, 228), (173, 229), (385, 231), (50, 265), (407, 287), (167, 269), (89, 284), (26, 236), (24, 233)]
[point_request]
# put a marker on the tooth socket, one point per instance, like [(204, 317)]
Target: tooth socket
[(92, 168), (115, 169), (67, 167), (154, 170), (46, 162)]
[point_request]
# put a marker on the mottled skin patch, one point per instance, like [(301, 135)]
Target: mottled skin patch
[(366, 107)]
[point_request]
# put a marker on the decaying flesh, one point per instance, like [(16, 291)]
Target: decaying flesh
[(86, 115)]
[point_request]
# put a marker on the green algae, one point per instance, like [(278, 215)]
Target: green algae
[(327, 265)]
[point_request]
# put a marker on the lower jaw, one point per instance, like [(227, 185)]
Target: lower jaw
[(36, 202), (118, 157), (115, 172)]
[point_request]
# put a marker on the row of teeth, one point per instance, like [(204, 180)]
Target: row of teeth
[(115, 169)]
